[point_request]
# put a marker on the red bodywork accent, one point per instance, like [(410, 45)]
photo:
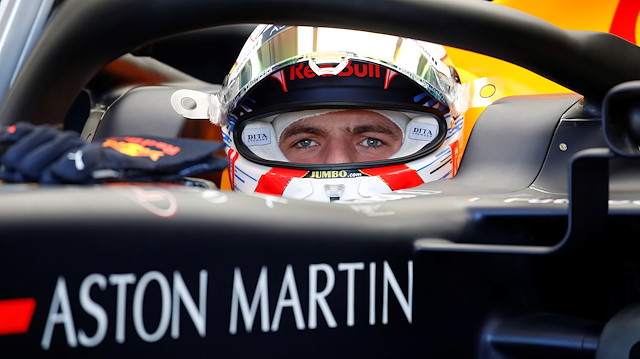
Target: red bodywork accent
[(456, 156), (15, 315), (624, 20)]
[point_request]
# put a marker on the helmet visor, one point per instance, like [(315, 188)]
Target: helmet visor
[(329, 50)]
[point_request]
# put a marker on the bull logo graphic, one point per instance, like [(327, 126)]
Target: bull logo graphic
[(133, 149)]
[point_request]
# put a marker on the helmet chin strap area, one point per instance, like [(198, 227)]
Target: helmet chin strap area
[(334, 191)]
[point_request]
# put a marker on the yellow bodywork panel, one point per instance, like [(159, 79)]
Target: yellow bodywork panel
[(618, 17)]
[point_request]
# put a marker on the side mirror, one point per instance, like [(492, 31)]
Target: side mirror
[(621, 119)]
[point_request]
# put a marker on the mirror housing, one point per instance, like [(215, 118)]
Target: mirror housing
[(621, 119)]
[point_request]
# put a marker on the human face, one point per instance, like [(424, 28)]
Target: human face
[(341, 137)]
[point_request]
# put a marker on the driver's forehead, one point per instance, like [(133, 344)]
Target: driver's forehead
[(348, 119)]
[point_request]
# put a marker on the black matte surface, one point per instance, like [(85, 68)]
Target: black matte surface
[(71, 52)]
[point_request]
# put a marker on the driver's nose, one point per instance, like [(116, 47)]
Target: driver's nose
[(339, 151)]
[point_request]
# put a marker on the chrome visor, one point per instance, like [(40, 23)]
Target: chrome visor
[(271, 48)]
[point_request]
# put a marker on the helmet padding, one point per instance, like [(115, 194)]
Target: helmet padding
[(416, 132)]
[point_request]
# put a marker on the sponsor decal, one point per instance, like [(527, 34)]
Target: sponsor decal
[(372, 210), (141, 147), (256, 136), (334, 174), (423, 131), (158, 201), (564, 200), (76, 157), (304, 71), (214, 196), (126, 307), (271, 201), (173, 296), (385, 197), (538, 200), (271, 31), (289, 299)]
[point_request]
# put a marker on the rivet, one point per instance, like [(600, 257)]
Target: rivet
[(188, 103)]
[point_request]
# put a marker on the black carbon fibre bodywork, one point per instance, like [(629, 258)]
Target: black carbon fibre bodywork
[(531, 251)]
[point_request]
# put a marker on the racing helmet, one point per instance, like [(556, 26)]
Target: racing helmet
[(289, 79)]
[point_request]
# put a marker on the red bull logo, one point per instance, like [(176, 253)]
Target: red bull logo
[(141, 147), (303, 71)]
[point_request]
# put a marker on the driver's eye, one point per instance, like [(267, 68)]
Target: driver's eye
[(306, 143), (371, 142)]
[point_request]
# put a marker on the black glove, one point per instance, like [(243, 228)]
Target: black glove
[(46, 155)]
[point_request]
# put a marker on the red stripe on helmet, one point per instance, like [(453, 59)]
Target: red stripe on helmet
[(281, 78), (390, 74), (15, 315), (232, 157), (277, 179), (396, 177)]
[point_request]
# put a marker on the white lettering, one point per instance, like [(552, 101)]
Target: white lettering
[(94, 309), (390, 279), (538, 200), (351, 269), (372, 293), (510, 200), (288, 286), (59, 313), (319, 298), (239, 297), (138, 301), (181, 295), (174, 295), (121, 281)]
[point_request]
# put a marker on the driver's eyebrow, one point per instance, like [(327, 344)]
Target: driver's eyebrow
[(375, 129), (298, 129)]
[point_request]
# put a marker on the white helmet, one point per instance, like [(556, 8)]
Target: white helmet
[(289, 75)]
